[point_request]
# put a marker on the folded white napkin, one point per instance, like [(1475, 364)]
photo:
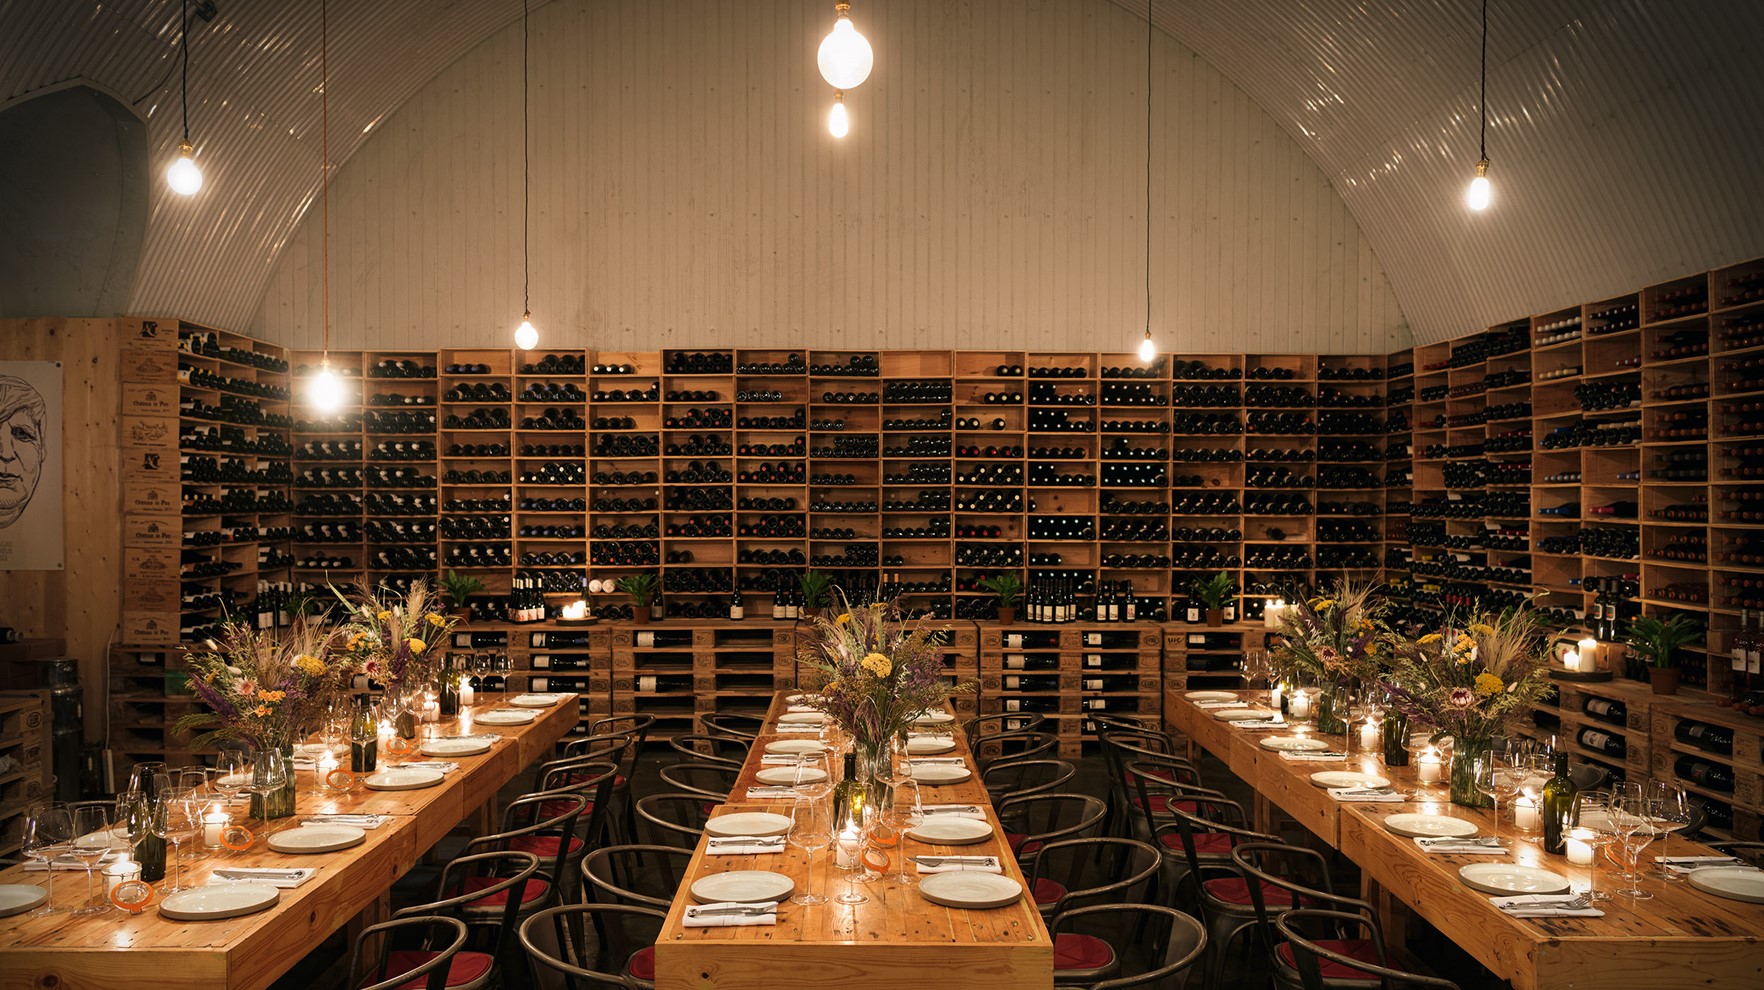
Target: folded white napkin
[(937, 761), (768, 791), (1544, 906), (802, 708), (1313, 757), (1460, 847), (744, 845), (798, 727), (1254, 724), (954, 810), (780, 759), (1357, 795), (286, 879), (1221, 704), (1685, 864), (359, 821), (959, 864), (439, 766), (728, 914)]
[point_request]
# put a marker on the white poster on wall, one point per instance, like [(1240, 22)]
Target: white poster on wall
[(31, 537)]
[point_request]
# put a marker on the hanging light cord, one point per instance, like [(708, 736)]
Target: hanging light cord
[(1148, 162), (526, 180), (1482, 101), (325, 156), (184, 42)]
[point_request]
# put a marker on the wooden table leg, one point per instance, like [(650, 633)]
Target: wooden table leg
[(1392, 914)]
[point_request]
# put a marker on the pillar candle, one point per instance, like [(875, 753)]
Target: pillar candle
[(1579, 849), (1571, 660), (1427, 768), (1301, 705), (1369, 739), (1525, 814), (845, 851), (213, 824), (467, 694), (1274, 697), (1589, 654), (121, 871)]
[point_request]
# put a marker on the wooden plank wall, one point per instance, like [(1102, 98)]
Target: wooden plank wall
[(82, 603)]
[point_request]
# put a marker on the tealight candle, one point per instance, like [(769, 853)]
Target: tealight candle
[(213, 824), (1369, 736), (121, 871), (1580, 850), (1428, 767), (846, 850), (1571, 660), (1301, 705), (1525, 814), (467, 694)]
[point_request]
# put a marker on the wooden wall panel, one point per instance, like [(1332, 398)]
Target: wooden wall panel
[(685, 193)]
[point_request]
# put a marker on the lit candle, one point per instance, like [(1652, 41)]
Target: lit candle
[(845, 854), (466, 692), (1271, 613), (1571, 660), (431, 710), (1301, 705), (1274, 694), (121, 871), (1427, 768), (1589, 654), (1369, 740), (213, 824), (576, 610), (1525, 814), (1580, 847)]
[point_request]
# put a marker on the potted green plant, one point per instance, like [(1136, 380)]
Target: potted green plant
[(815, 586), (1009, 589), (460, 588), (642, 588), (1656, 640), (1213, 592)]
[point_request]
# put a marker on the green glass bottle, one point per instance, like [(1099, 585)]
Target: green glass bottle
[(364, 738), (449, 689), (150, 851), (1558, 800), (1396, 737), (848, 794)]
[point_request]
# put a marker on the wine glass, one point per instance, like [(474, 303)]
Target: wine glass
[(269, 774), (1493, 779), (902, 813), (91, 841), (1633, 812), (48, 831), (1675, 813), (133, 817), (1428, 761), (853, 839), (1538, 771), (809, 831), (1593, 825), (176, 817), (813, 776)]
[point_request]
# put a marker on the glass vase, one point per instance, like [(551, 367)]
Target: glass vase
[(278, 803), (1326, 710), (1396, 735), (1465, 752)]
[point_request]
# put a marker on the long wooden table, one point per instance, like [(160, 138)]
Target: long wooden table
[(1681, 938), (144, 951), (895, 941)]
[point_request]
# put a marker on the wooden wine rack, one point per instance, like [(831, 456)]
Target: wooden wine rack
[(25, 737)]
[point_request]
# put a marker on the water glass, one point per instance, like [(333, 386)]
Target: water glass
[(810, 830), (48, 833), (91, 841)]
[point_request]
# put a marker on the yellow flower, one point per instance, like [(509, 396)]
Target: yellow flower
[(310, 665), (385, 614), (844, 618), (436, 620), (261, 710), (1322, 603), (416, 645), (878, 664), (1487, 684), (1428, 640), (1465, 644)]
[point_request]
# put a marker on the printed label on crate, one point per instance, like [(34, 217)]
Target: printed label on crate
[(158, 433), (149, 400), (162, 497), (149, 366), (150, 627), (152, 532), (148, 466), (151, 333)]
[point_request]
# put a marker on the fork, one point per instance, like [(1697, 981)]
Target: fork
[(703, 912)]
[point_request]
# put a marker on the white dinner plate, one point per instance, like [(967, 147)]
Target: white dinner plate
[(1739, 883), (1210, 696), (536, 700), (799, 709), (948, 830), (934, 718), (402, 779), (800, 718), (745, 886), (929, 745), (457, 746), (1422, 826), (790, 775), (965, 889), (1511, 878), (317, 838), (1348, 778), (941, 774), (748, 823), (798, 699), (502, 716), (1242, 714), (311, 751), (795, 747), (225, 900), (1293, 744), (17, 898)]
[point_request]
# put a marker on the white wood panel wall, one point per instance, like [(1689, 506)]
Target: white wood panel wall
[(685, 193)]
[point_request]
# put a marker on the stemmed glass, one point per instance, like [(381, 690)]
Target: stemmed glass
[(809, 831), (48, 831), (809, 784), (133, 817), (91, 841), (1592, 818), (1674, 814), (1497, 780), (854, 842), (1538, 771), (176, 817), (1633, 813), (902, 814)]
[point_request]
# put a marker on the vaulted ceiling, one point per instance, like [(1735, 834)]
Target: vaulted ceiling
[(1625, 134)]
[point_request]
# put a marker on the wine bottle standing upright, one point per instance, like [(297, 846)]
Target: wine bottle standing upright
[(364, 738), (1558, 799), (449, 699)]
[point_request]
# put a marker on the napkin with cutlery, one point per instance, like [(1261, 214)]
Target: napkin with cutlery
[(1547, 906), (798, 709), (743, 845), (726, 914), (957, 864), (359, 821), (1470, 846), (761, 791), (1221, 704), (439, 766), (1313, 757), (1685, 864), (780, 759), (937, 761), (799, 728), (1255, 724), (956, 810), (286, 879), (1372, 794)]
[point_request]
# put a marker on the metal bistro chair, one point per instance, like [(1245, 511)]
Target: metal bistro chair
[(592, 780), (1066, 873), (712, 748), (647, 876), (1084, 956), (1272, 893), (508, 873), (385, 974), (637, 728), (626, 959), (1017, 778), (1313, 957), (1026, 744), (992, 725), (1034, 820), (676, 819), (1121, 747), (734, 724), (713, 780), (540, 891)]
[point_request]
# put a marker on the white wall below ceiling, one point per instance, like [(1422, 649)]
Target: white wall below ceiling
[(685, 193)]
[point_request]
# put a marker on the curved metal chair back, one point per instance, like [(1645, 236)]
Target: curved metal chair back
[(1170, 952), (614, 746), (1069, 862), (608, 867), (1023, 744), (1000, 722), (714, 748), (736, 724), (1252, 859), (676, 819), (713, 780), (1048, 817), (433, 971), (1307, 954), (509, 870), (615, 950), (1017, 778), (635, 726)]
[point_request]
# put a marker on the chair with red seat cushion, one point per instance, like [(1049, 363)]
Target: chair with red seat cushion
[(467, 969), (1167, 943), (592, 779), (622, 810), (1034, 820), (1195, 831), (623, 956), (1075, 872), (1137, 815), (1312, 958), (1121, 742), (489, 890), (525, 823), (427, 968), (1277, 877), (1015, 778), (1192, 864)]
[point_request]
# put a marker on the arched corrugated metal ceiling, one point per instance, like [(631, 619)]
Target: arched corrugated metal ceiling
[(1624, 133)]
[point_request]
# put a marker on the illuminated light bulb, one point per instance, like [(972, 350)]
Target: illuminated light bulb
[(845, 56), (526, 338), (838, 122), (182, 175), (325, 392), (1147, 349), (1477, 196)]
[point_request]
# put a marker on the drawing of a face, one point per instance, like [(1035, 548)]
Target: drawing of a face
[(22, 448)]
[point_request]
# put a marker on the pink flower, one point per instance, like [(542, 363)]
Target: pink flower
[(1462, 697), (247, 688)]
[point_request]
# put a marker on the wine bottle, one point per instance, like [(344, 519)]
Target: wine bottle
[(364, 738), (449, 680), (848, 794), (1558, 799)]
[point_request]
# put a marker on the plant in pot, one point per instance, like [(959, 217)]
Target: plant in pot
[(1213, 593), (1009, 589), (1657, 640), (460, 588), (815, 586), (642, 588)]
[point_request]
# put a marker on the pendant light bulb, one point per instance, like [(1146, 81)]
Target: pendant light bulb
[(526, 337), (182, 175), (1479, 193), (325, 392), (838, 122), (1147, 349), (845, 56)]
